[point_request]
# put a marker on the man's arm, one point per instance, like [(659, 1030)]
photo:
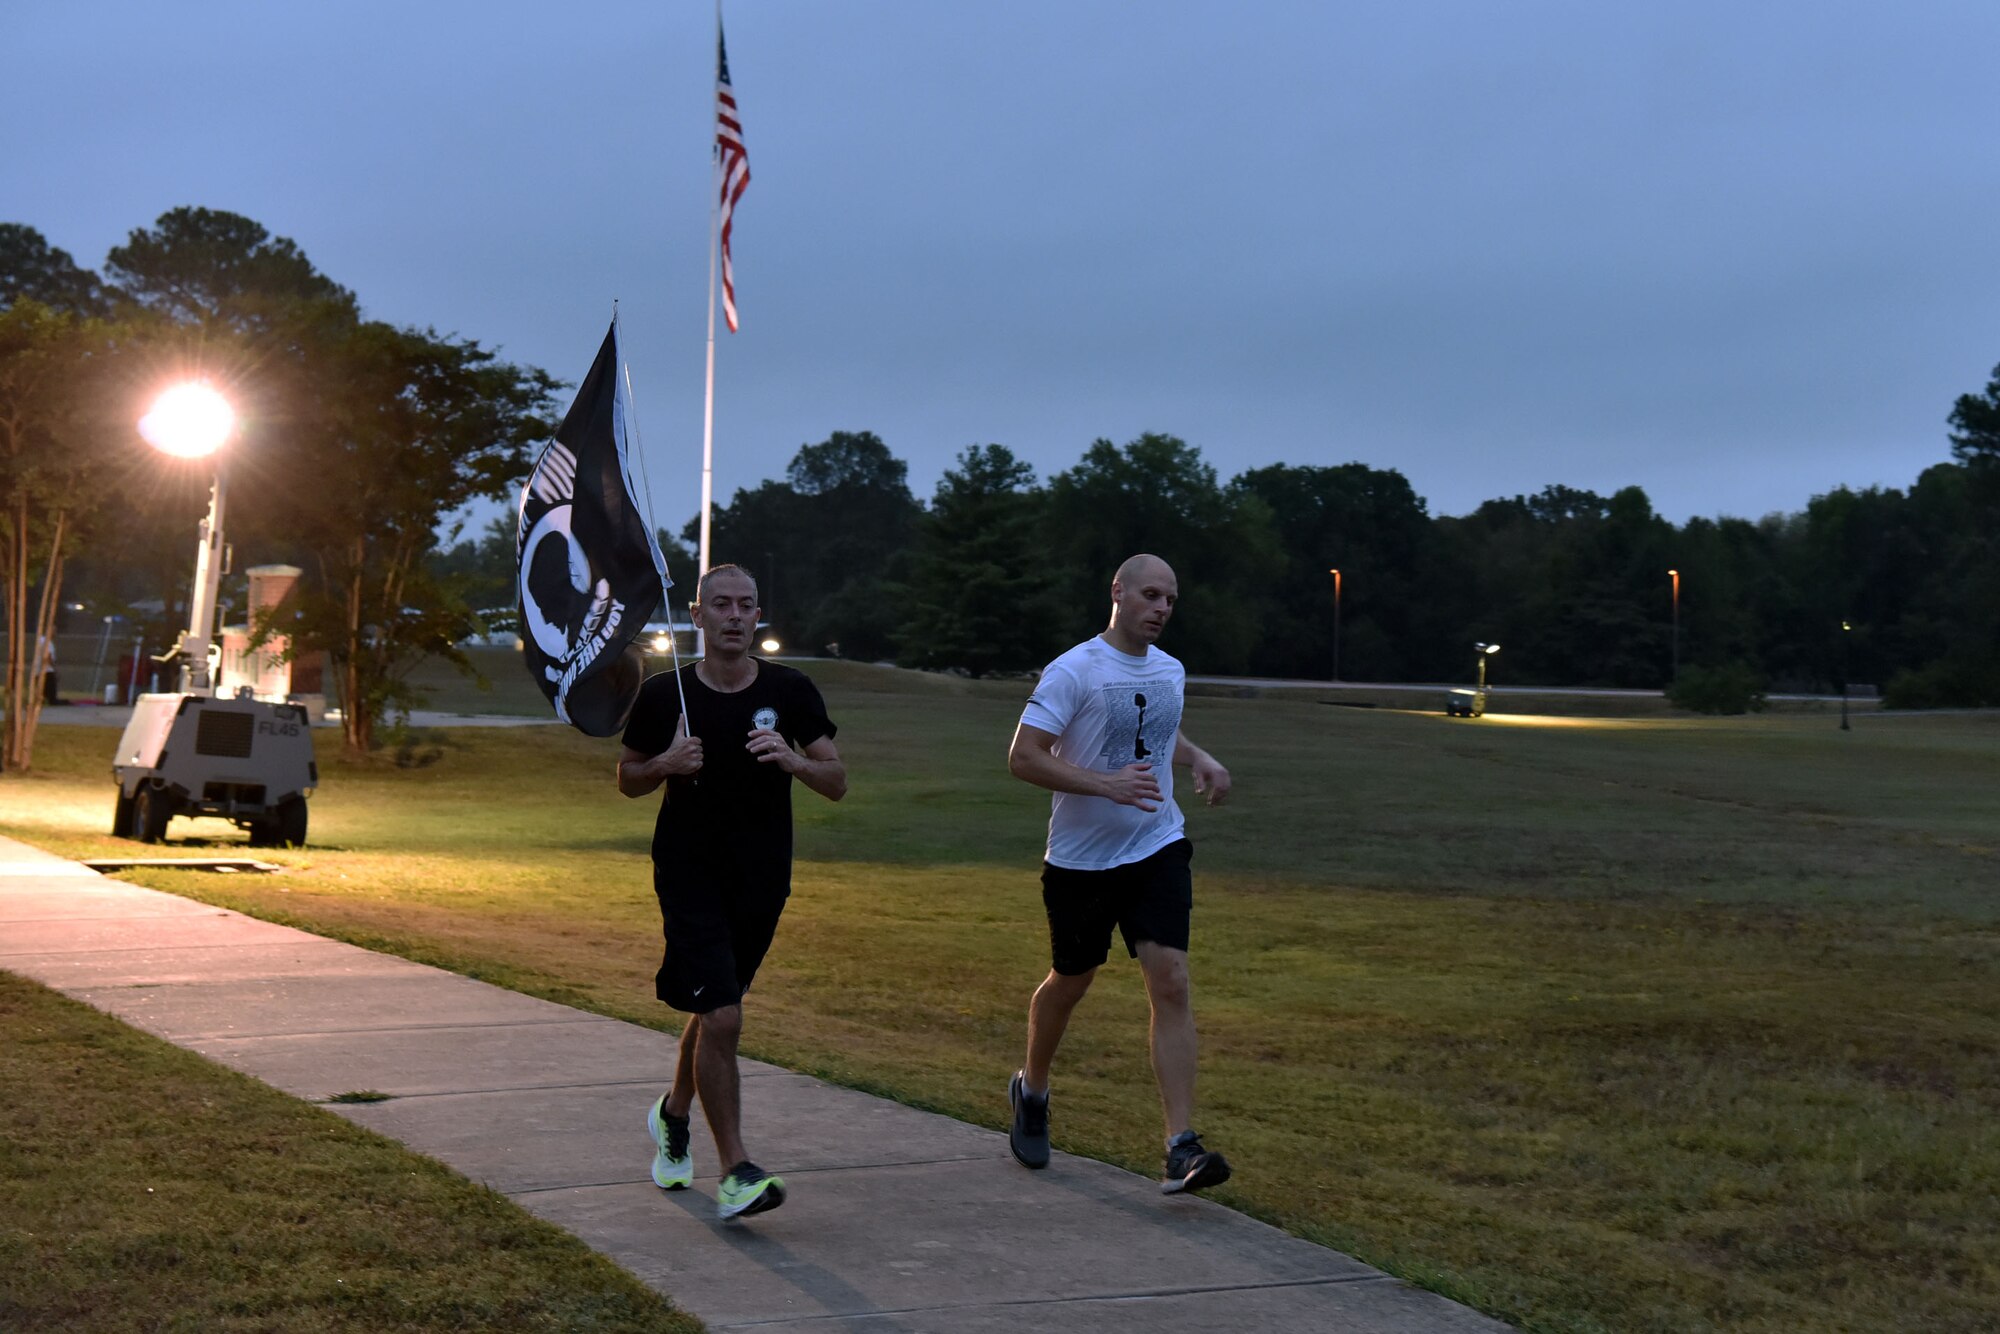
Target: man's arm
[(1032, 759), (819, 767), (1211, 780), (639, 773)]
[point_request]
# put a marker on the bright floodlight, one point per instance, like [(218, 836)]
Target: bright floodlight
[(769, 646), (189, 421), (1487, 648)]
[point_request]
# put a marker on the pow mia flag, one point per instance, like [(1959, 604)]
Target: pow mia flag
[(589, 569)]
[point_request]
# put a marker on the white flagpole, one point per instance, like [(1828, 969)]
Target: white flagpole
[(709, 395), (708, 399), (714, 245)]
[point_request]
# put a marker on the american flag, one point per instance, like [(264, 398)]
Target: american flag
[(734, 161)]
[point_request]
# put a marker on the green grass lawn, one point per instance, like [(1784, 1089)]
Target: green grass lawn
[(1646, 1025), (148, 1189)]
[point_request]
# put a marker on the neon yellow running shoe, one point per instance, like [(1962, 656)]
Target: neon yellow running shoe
[(748, 1189), (673, 1162)]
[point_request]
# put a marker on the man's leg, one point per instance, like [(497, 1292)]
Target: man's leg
[(1081, 910), (680, 1094), (1190, 1165), (1173, 1035), (667, 1119), (1048, 1018), (715, 1079), (1028, 1092), (1080, 923)]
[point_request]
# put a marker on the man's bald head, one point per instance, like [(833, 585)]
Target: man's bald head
[(724, 572), (1137, 569)]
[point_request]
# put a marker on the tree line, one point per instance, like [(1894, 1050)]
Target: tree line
[(1895, 587), (998, 570), (362, 438)]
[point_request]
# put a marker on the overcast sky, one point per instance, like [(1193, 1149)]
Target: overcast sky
[(1737, 254)]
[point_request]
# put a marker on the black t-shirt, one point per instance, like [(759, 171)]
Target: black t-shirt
[(735, 806)]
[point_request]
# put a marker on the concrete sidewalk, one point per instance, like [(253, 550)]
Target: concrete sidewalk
[(898, 1220)]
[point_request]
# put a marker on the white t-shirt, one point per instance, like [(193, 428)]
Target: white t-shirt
[(1109, 709)]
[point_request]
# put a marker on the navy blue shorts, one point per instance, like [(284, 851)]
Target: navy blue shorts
[(1151, 899)]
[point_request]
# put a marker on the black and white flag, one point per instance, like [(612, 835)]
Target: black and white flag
[(589, 567)]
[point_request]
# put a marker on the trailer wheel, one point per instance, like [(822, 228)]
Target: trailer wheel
[(151, 809), (121, 816), (290, 824)]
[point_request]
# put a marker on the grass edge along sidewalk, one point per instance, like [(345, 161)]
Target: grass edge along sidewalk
[(150, 1188)]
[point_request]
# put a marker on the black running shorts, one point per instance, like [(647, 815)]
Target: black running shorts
[(1146, 900), (717, 931)]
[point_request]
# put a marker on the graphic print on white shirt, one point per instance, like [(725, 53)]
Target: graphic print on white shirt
[(1139, 726)]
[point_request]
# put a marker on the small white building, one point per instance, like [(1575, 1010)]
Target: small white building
[(264, 669)]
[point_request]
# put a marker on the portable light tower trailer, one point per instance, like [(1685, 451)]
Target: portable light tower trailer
[(246, 760), (192, 752)]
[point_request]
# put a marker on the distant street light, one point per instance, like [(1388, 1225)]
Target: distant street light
[(770, 644), (1336, 623), (1845, 630), (1485, 651), (193, 421), (103, 647), (1675, 575)]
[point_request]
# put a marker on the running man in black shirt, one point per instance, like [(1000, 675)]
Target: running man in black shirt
[(722, 858)]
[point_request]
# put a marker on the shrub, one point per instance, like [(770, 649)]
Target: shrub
[(1733, 687), (1963, 682)]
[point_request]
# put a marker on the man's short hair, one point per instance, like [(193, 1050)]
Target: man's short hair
[(701, 588)]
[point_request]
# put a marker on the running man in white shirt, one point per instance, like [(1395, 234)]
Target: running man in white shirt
[(1102, 732)]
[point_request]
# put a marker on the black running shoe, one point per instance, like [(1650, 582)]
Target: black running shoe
[(1191, 1167), (1028, 1136)]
